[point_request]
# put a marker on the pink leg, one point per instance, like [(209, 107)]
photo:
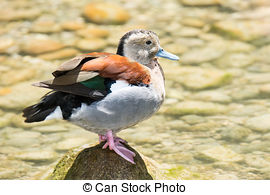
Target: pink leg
[(115, 144)]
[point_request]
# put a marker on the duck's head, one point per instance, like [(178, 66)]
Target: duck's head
[(142, 46)]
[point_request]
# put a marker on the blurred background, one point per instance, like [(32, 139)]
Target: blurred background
[(215, 122)]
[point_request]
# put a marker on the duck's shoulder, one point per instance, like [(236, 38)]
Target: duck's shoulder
[(118, 67)]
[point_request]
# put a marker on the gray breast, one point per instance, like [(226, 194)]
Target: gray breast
[(122, 108)]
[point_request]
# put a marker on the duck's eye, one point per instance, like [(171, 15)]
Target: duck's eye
[(148, 42)]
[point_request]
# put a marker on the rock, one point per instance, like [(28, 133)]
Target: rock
[(178, 125), (219, 153), (60, 54), (197, 78), (153, 170), (257, 161), (19, 14), (200, 2), (205, 126), (195, 107), (105, 13), (73, 25), (259, 123), (5, 44), (25, 135), (235, 133), (263, 54), (46, 26), (193, 119), (37, 156), (37, 46), (237, 60), (194, 22), (212, 96), (226, 177), (258, 78), (94, 44), (50, 129), (176, 48), (140, 139), (70, 143), (28, 142), (175, 93), (187, 32), (235, 5), (199, 55), (17, 75), (96, 163), (239, 46), (247, 110), (247, 92), (190, 42), (93, 32), (265, 89), (246, 30), (17, 98)]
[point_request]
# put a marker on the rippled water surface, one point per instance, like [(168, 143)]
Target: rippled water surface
[(215, 122)]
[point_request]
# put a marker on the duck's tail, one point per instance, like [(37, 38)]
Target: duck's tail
[(39, 112)]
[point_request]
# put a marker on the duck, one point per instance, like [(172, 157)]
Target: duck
[(105, 93)]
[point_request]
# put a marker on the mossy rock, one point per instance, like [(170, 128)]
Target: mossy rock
[(74, 166), (97, 163)]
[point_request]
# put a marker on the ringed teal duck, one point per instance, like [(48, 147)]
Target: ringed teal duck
[(105, 93)]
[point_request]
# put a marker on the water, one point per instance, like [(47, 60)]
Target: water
[(215, 120)]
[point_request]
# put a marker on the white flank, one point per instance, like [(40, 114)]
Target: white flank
[(119, 84), (56, 114)]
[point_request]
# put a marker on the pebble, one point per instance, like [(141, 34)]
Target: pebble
[(46, 26), (195, 107), (259, 123), (37, 156), (72, 25), (199, 55), (51, 129), (197, 78), (219, 153), (263, 53), (238, 60), (192, 21), (234, 133), (38, 46), (16, 76), (70, 143), (19, 14), (245, 30), (5, 44), (212, 96), (200, 2), (93, 32), (193, 119), (247, 92), (91, 45), (257, 161), (17, 98), (59, 54), (106, 13)]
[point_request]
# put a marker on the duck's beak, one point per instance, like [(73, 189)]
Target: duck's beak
[(164, 54)]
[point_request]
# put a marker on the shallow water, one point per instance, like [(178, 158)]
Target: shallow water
[(215, 121)]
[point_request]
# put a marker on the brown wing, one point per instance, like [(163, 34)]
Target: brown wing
[(75, 62), (85, 67), (118, 67)]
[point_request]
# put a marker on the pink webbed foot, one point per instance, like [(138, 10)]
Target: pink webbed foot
[(115, 143)]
